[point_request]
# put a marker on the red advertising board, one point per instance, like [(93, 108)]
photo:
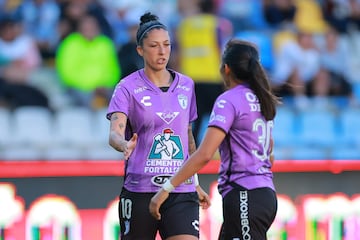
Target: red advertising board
[(56, 217)]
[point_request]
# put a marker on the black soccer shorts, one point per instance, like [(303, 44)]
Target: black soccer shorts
[(179, 215), (248, 214)]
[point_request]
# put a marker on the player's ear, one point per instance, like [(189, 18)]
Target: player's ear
[(139, 50), (227, 69)]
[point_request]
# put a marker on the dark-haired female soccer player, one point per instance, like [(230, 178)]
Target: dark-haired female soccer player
[(151, 112), (240, 126)]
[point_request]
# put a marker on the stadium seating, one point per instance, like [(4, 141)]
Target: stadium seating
[(101, 127), (350, 127), (244, 14), (63, 153), (284, 131), (345, 153), (20, 153), (317, 128), (32, 126), (302, 152), (73, 127), (356, 90), (30, 133), (103, 152), (281, 152), (4, 127)]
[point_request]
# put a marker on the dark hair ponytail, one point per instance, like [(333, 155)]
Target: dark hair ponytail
[(148, 17), (148, 21), (243, 60)]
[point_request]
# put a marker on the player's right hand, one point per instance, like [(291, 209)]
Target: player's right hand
[(156, 201), (130, 146)]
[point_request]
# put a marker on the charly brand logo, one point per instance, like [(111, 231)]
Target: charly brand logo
[(145, 101), (220, 103), (196, 224)]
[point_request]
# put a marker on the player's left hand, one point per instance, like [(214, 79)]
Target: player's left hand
[(156, 201), (204, 198)]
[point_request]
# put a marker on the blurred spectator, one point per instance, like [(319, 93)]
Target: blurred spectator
[(115, 12), (8, 8), (166, 9), (355, 13), (129, 59), (115, 17), (309, 17), (98, 11), (23, 80), (335, 58), (17, 48), (87, 64), (40, 19), (72, 11), (297, 71), (244, 14), (342, 14), (70, 14), (183, 9), (13, 95), (279, 12), (200, 38)]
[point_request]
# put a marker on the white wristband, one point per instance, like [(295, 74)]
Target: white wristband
[(196, 179), (167, 186)]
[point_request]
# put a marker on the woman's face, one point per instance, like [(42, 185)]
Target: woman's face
[(10, 32), (156, 49), (89, 27)]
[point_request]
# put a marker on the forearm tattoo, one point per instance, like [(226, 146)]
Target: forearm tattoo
[(114, 117), (121, 125), (117, 138)]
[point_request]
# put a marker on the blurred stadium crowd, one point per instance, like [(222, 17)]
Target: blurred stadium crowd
[(61, 59)]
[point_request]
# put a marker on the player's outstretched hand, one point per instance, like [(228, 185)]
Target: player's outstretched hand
[(204, 198), (156, 201), (130, 146)]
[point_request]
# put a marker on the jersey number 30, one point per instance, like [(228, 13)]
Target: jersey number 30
[(263, 128)]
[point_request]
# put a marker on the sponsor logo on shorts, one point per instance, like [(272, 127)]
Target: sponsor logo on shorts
[(195, 224), (244, 215)]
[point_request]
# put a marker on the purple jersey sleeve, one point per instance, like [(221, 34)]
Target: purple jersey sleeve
[(119, 100)]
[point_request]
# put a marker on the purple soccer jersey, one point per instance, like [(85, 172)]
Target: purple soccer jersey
[(247, 144), (161, 121)]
